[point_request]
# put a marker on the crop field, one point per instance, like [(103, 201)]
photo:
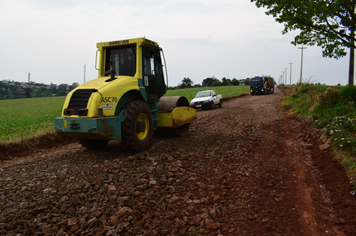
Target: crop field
[(25, 118)]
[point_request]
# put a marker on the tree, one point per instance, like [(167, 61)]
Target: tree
[(329, 24), (225, 82), (235, 81), (61, 93), (210, 81), (73, 86), (186, 83)]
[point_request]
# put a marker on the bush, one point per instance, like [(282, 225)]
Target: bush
[(348, 94), (330, 97), (304, 88)]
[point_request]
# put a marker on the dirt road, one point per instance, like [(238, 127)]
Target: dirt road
[(244, 169)]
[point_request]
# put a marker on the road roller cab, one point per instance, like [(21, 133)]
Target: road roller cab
[(126, 100)]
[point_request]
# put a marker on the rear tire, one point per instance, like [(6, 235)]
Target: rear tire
[(137, 128), (92, 144)]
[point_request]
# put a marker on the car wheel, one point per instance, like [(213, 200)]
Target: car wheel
[(220, 103)]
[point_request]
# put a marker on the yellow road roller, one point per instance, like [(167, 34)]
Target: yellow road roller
[(126, 101)]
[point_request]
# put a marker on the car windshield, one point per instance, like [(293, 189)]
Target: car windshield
[(256, 82), (203, 94), (123, 60)]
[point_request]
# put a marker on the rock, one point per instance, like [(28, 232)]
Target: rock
[(324, 146), (196, 201), (308, 119), (323, 138), (47, 191), (125, 211), (72, 221), (47, 230), (114, 220), (64, 199), (152, 183), (111, 188)]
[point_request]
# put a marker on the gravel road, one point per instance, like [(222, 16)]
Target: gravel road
[(243, 169)]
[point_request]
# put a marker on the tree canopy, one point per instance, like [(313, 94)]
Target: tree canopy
[(329, 24), (186, 83), (325, 23)]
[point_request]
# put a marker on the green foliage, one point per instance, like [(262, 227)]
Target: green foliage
[(331, 108), (323, 23), (22, 118), (317, 100), (186, 83), (211, 82), (348, 94)]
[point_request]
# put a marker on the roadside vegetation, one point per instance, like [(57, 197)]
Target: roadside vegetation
[(334, 111), (30, 117)]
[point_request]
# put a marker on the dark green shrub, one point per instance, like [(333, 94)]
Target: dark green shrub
[(348, 94), (304, 88), (330, 97)]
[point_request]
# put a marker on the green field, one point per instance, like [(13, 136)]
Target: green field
[(24, 118)]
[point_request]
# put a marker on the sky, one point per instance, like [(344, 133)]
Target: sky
[(54, 40)]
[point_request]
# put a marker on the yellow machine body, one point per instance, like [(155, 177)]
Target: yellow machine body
[(130, 78)]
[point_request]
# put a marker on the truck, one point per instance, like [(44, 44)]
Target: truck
[(260, 85), (126, 102), (271, 85), (206, 99)]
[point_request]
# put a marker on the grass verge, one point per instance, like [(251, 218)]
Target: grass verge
[(333, 109)]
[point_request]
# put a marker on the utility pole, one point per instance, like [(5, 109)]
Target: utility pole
[(301, 64), (290, 77), (352, 60), (283, 77), (29, 77), (84, 72)]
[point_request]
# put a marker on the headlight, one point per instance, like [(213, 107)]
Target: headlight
[(251, 91), (262, 90)]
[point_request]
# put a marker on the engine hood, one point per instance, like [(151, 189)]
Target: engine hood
[(201, 99)]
